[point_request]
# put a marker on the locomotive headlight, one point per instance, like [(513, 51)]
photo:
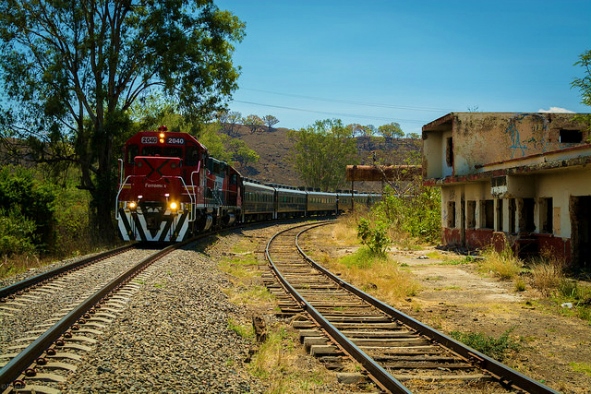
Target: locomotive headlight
[(132, 205), (173, 205), (161, 137)]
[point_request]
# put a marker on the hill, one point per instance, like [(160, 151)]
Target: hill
[(274, 148)]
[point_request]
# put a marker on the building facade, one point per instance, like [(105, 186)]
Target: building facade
[(522, 179)]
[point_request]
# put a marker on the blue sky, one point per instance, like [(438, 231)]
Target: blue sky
[(407, 61)]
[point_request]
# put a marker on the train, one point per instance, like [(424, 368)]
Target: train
[(171, 189)]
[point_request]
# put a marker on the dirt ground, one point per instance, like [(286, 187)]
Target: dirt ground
[(459, 298)]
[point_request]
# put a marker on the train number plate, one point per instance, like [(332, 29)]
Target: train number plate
[(175, 141), (149, 140)]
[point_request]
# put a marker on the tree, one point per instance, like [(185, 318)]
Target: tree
[(254, 123), (234, 120), (229, 120), (72, 69), (242, 153), (270, 121), (321, 153), (391, 130), (584, 84)]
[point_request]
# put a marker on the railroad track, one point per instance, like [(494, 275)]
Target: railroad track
[(67, 321), (399, 353)]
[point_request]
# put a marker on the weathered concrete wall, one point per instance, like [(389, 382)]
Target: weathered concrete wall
[(480, 139)]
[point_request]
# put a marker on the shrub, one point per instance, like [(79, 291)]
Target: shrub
[(374, 236), (417, 214), (27, 202), (17, 234)]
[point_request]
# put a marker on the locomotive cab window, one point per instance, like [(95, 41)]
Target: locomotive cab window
[(151, 151), (172, 152), (132, 151), (192, 156)]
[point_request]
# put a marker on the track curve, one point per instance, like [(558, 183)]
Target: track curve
[(401, 354)]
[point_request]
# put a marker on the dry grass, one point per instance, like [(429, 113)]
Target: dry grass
[(547, 274), (282, 363), (15, 265), (546, 277), (378, 275), (501, 264)]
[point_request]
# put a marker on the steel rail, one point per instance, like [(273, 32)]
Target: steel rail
[(29, 282), (14, 368), (505, 375), (385, 379)]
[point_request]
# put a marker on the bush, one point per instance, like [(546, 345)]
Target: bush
[(375, 236), (418, 214), (17, 234), (29, 204)]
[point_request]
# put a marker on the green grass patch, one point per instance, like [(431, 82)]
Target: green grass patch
[(584, 368), (497, 348), (243, 330), (461, 261), (363, 258)]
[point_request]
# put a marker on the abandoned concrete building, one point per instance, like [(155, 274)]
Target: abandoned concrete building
[(517, 179)]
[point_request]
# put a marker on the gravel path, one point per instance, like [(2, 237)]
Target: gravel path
[(172, 337), (39, 305)]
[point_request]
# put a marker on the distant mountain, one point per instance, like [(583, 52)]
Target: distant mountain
[(274, 148)]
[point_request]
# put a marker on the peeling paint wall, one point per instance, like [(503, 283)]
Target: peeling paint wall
[(481, 138)]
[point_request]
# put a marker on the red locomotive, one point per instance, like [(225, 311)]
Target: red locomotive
[(171, 188)]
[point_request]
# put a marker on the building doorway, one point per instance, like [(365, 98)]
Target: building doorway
[(580, 216)]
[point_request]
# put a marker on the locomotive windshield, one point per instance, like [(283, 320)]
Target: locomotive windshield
[(164, 151)]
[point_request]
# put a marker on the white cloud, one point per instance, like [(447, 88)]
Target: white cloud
[(557, 109)]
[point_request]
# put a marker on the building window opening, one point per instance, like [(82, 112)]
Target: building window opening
[(546, 215), (571, 136), (499, 214), (451, 214), (488, 214), (526, 216), (449, 152), (512, 212), (471, 218)]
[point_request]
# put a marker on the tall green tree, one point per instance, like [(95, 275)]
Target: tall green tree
[(584, 83), (71, 70), (322, 152)]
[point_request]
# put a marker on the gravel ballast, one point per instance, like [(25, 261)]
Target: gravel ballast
[(173, 336)]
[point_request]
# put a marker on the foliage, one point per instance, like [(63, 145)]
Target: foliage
[(254, 123), (242, 153), (270, 121), (496, 348), (72, 70), (17, 234), (584, 83), (72, 223), (321, 153), (391, 130), (374, 235), (29, 204), (416, 212)]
